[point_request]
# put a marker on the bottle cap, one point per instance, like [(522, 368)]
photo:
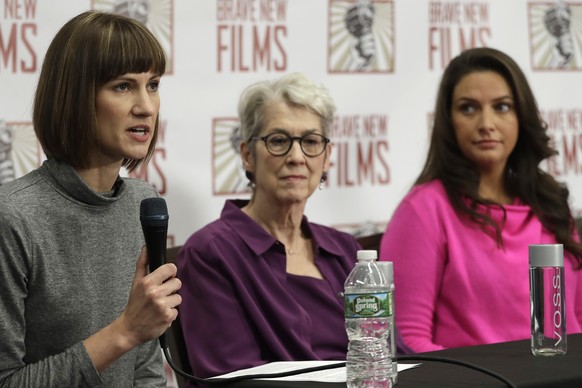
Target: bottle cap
[(367, 255), (387, 268), (546, 255)]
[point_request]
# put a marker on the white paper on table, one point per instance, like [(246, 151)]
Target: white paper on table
[(335, 375)]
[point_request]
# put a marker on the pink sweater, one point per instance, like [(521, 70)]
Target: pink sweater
[(454, 286)]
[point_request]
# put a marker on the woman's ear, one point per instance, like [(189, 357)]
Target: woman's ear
[(327, 161), (245, 154)]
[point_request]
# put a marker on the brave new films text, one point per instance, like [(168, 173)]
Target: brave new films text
[(455, 26), (251, 35), (154, 172), (565, 131), (360, 151), (18, 31)]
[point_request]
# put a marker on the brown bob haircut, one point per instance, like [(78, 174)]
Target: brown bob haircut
[(88, 51)]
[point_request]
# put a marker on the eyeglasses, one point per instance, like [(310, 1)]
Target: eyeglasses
[(279, 144)]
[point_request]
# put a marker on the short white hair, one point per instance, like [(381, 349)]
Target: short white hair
[(294, 88)]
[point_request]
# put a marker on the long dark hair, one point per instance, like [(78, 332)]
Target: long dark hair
[(523, 176)]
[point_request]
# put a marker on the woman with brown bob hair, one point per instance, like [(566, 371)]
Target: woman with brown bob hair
[(75, 69), (76, 310), (460, 238)]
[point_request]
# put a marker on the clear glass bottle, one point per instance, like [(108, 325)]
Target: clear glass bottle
[(368, 318), (387, 268), (547, 303)]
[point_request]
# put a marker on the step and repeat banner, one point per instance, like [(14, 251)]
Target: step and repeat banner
[(380, 59)]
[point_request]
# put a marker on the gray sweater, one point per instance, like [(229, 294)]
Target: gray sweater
[(67, 260)]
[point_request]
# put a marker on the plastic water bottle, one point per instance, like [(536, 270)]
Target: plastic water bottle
[(368, 321), (387, 268), (548, 314)]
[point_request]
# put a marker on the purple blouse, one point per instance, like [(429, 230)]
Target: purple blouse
[(241, 308)]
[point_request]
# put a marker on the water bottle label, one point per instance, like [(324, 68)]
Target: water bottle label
[(369, 305)]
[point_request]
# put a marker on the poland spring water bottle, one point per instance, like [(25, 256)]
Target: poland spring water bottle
[(547, 304), (368, 318)]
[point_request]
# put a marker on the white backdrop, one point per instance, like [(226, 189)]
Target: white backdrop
[(217, 47)]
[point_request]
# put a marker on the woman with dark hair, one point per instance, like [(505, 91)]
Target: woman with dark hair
[(76, 310), (459, 239)]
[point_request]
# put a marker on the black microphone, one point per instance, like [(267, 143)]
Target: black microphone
[(153, 214)]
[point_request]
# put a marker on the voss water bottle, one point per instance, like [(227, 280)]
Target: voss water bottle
[(547, 303)]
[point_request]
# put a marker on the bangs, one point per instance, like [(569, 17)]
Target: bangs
[(129, 49)]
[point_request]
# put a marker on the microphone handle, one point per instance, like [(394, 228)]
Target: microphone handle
[(155, 238), (156, 244)]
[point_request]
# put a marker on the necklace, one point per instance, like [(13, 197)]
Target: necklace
[(295, 251), (292, 252)]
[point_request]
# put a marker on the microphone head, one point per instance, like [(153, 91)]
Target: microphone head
[(153, 212)]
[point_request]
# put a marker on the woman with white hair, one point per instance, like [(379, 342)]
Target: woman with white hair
[(262, 283)]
